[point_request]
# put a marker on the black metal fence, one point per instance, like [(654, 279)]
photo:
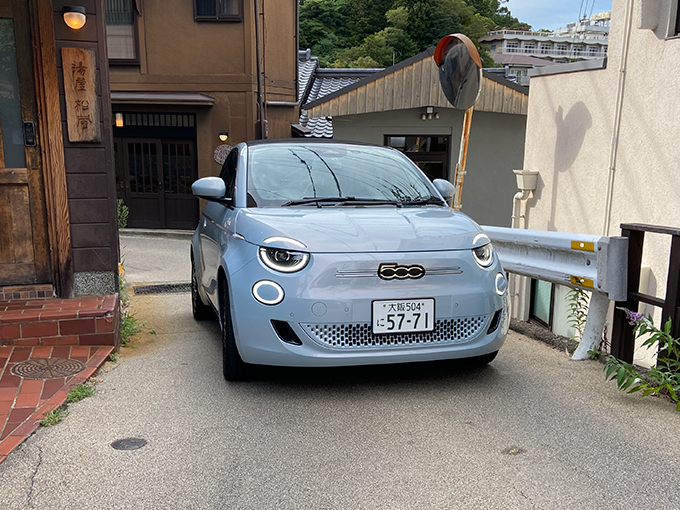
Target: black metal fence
[(623, 341)]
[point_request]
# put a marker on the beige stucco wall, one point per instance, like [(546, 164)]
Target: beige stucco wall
[(569, 135)]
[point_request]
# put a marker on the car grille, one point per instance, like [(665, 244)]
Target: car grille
[(358, 336)]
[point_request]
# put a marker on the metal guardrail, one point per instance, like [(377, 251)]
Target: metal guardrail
[(596, 263)]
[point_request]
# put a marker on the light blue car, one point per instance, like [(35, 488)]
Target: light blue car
[(320, 253)]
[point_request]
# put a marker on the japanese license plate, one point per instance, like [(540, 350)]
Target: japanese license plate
[(403, 316)]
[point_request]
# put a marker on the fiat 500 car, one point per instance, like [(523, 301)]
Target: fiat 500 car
[(321, 254)]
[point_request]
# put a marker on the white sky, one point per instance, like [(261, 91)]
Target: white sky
[(552, 14)]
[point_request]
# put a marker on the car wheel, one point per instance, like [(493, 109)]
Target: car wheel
[(483, 360), (199, 309), (233, 367)]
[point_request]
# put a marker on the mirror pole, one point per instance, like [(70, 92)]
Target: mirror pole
[(462, 158)]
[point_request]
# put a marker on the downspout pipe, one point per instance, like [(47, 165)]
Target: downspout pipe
[(258, 52), (520, 196), (526, 182)]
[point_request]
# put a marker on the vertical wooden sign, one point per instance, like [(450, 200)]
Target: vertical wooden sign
[(80, 88)]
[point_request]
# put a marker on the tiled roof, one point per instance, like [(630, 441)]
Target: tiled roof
[(306, 70), (328, 81)]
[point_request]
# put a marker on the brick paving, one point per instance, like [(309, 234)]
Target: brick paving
[(89, 320), (32, 327), (24, 402)]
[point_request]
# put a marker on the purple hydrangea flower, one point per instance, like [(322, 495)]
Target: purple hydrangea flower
[(633, 317)]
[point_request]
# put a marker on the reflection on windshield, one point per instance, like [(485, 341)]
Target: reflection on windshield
[(282, 173)]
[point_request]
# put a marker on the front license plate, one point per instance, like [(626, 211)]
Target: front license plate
[(403, 316)]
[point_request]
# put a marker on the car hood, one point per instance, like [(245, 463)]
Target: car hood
[(359, 229)]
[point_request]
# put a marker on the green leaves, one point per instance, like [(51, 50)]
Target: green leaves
[(664, 378)]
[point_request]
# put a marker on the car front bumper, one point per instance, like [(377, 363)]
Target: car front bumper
[(328, 308)]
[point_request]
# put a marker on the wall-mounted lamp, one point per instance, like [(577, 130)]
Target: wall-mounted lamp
[(74, 16), (223, 136), (119, 120), (429, 113)]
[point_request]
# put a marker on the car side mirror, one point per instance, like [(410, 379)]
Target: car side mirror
[(445, 188), (210, 188)]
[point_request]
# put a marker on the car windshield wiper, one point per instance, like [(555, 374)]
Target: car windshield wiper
[(336, 201), (425, 201)]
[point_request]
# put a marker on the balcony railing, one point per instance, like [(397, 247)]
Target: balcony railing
[(541, 52)]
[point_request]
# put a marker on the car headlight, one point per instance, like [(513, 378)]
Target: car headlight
[(483, 255), (284, 261)]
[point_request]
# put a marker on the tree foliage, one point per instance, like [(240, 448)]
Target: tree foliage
[(380, 33)]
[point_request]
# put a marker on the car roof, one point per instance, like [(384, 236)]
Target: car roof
[(306, 141)]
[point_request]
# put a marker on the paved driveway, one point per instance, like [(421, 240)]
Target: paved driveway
[(532, 430)]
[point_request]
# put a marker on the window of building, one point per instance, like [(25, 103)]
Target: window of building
[(529, 47), (562, 49), (542, 298), (121, 30), (511, 47), (592, 51), (430, 153), (544, 48), (218, 10), (578, 50)]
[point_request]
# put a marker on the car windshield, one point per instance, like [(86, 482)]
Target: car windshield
[(342, 175)]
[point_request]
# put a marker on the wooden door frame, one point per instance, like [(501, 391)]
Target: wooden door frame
[(51, 145)]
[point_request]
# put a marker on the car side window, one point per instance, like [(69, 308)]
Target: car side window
[(228, 173)]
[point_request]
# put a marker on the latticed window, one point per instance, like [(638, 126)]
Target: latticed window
[(217, 10), (121, 37)]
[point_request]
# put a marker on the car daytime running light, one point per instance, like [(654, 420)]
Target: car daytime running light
[(501, 284), (483, 255), (284, 261), (266, 286)]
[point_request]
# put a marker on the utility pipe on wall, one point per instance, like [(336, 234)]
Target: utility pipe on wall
[(614, 146)]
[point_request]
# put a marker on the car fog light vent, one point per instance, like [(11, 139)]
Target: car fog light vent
[(285, 332), (495, 322)]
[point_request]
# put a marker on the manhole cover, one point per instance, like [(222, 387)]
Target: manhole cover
[(166, 288), (129, 443), (47, 368)]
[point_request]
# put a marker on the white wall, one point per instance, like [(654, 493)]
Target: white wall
[(569, 134), (496, 148)]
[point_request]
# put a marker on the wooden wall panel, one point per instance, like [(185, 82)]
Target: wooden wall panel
[(417, 86)]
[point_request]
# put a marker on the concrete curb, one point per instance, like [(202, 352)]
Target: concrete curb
[(165, 233)]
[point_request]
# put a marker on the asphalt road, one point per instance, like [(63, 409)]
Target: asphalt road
[(533, 430)]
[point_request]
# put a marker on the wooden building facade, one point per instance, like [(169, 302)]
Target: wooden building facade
[(58, 225), (183, 72)]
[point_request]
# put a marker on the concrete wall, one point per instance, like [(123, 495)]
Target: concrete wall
[(569, 134), (494, 151)]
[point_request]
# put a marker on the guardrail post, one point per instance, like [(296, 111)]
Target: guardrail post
[(623, 340), (592, 332)]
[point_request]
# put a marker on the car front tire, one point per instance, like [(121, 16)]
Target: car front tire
[(199, 309), (233, 367)]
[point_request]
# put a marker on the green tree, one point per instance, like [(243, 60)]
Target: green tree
[(321, 18)]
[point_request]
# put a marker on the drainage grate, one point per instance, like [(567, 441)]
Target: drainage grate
[(47, 368), (165, 288), (129, 443)]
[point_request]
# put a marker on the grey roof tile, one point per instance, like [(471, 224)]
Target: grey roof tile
[(306, 70), (326, 82)]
